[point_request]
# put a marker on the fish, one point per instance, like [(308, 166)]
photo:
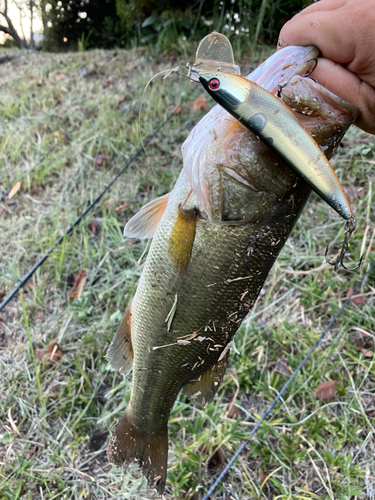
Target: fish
[(273, 122), (215, 237)]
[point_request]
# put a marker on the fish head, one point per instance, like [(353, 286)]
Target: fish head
[(227, 89)]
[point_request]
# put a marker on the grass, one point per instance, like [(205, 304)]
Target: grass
[(81, 112)]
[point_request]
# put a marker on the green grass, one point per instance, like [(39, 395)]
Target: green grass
[(55, 417)]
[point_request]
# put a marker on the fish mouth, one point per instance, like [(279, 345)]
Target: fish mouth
[(284, 65)]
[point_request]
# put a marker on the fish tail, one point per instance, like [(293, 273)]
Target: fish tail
[(128, 445)]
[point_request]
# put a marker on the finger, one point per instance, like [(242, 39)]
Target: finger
[(326, 29), (323, 5), (348, 86)]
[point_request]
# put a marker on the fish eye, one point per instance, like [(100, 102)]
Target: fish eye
[(214, 84)]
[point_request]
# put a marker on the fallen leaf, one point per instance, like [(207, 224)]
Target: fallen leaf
[(100, 159), (177, 110), (14, 190), (121, 98), (54, 352), (200, 103), (59, 75), (78, 287), (365, 352), (282, 367), (232, 410), (62, 112), (215, 460), (2, 294), (30, 452), (356, 299), (121, 206), (95, 227), (326, 390)]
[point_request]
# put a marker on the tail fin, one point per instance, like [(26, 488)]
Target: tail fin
[(128, 445)]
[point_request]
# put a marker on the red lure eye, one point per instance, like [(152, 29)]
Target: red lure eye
[(214, 84)]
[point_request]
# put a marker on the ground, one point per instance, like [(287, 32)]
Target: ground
[(69, 122)]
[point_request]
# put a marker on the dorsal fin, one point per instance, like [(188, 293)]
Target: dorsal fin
[(120, 352), (144, 223), (203, 390)]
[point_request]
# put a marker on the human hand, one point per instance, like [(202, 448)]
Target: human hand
[(343, 31)]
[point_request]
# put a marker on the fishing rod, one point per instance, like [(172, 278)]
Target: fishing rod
[(285, 387)]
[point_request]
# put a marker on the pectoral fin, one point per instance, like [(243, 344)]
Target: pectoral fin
[(143, 225), (182, 238), (203, 390), (120, 352)]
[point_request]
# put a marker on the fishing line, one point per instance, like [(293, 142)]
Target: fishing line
[(78, 220), (169, 71), (285, 387)]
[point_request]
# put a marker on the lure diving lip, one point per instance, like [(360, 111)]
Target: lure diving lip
[(274, 123)]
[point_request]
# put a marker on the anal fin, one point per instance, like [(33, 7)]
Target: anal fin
[(120, 352), (145, 222), (203, 390)]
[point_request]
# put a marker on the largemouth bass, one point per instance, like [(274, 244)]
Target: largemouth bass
[(215, 238)]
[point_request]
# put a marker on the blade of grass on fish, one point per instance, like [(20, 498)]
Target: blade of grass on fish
[(171, 313)]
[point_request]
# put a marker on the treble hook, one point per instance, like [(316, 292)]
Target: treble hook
[(349, 228)]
